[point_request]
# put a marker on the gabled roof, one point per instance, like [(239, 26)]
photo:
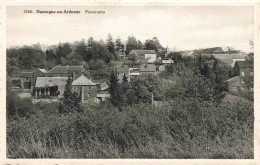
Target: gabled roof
[(122, 68), (244, 64), (187, 53), (142, 52), (67, 69), (26, 74), (50, 81), (233, 78), (148, 68), (83, 81)]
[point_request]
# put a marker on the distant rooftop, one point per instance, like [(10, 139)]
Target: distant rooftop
[(67, 69)]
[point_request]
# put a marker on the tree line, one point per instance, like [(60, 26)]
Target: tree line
[(77, 53)]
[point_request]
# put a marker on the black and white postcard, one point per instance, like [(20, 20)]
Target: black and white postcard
[(141, 83)]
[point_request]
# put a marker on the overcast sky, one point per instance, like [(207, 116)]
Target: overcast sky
[(185, 28)]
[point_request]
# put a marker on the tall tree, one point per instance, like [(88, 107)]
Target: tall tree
[(116, 93), (139, 45), (131, 44), (111, 45), (118, 45), (71, 100)]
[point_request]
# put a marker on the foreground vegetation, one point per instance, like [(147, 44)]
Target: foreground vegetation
[(179, 129)]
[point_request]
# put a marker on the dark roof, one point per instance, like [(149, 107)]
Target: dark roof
[(142, 52), (122, 68), (67, 69), (147, 68), (244, 64), (26, 74)]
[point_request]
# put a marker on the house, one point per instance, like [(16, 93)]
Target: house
[(243, 71), (148, 69), (67, 71), (134, 72), (167, 61), (86, 89), (50, 86), (144, 56), (229, 59), (121, 70), (38, 73), (243, 68), (121, 55), (103, 94), (26, 80)]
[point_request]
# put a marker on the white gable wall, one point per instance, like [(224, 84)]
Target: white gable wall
[(150, 57)]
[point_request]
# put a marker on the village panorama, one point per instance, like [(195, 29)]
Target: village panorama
[(115, 99)]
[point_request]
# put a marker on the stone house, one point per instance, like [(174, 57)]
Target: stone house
[(243, 71), (26, 80), (86, 89)]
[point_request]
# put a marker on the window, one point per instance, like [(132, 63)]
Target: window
[(88, 94), (251, 74), (242, 73), (242, 80), (238, 88), (88, 87)]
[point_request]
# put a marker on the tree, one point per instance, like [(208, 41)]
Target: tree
[(30, 58), (118, 45), (154, 44), (131, 44), (71, 100), (139, 45), (144, 87), (111, 45), (116, 94)]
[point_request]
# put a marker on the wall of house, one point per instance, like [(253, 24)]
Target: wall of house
[(120, 76), (26, 82), (90, 92), (234, 84), (150, 57), (61, 91)]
